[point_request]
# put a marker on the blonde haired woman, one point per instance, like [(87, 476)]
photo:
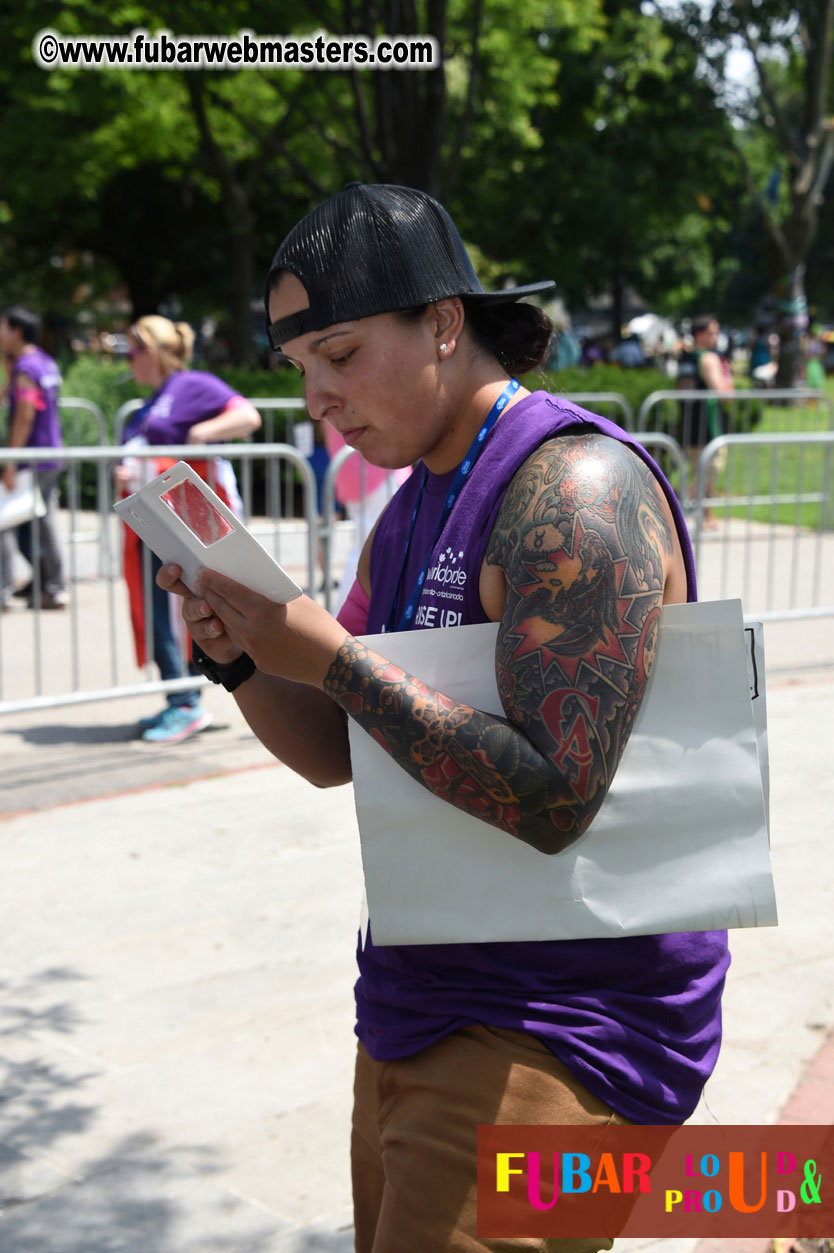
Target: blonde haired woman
[(187, 407)]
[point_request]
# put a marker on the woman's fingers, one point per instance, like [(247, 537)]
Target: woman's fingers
[(224, 594), (201, 621), (295, 641), (169, 578), (251, 620)]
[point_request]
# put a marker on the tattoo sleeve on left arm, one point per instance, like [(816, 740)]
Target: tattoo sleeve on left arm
[(581, 538)]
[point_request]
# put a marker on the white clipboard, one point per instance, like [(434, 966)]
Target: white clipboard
[(680, 844), (183, 520)]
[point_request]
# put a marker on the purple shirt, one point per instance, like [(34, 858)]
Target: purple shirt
[(183, 400), (46, 429), (637, 1020)]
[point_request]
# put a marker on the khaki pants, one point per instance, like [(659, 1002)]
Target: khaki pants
[(415, 1130)]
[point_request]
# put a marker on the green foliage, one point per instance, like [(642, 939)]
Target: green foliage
[(782, 130), (251, 383), (166, 173), (107, 384), (628, 184), (578, 139)]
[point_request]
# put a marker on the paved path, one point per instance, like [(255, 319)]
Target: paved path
[(177, 964)]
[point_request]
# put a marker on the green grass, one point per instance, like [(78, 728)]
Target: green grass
[(790, 471)]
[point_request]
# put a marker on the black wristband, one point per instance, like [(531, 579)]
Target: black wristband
[(231, 675)]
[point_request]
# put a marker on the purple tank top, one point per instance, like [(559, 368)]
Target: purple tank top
[(637, 1020), (46, 429), (184, 399)]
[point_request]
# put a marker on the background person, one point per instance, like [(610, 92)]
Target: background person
[(704, 369), (187, 407), (629, 353), (761, 367), (564, 531), (33, 386), (814, 368)]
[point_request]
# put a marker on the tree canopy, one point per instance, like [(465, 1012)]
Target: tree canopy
[(592, 141)]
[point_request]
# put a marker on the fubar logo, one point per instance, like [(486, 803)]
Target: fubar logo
[(641, 1181)]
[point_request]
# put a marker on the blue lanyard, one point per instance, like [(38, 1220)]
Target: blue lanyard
[(463, 472)]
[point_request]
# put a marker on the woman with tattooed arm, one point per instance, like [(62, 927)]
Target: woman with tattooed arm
[(524, 510)]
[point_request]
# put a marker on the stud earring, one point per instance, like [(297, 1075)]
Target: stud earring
[(444, 347)]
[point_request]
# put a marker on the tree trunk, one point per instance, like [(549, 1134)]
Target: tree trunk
[(792, 320), (241, 272), (404, 127), (617, 304)]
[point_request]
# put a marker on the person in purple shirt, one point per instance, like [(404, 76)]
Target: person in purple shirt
[(34, 384), (528, 511), (187, 407)]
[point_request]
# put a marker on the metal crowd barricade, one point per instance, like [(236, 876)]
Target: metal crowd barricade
[(679, 413), (280, 493), (775, 537), (74, 406), (30, 645), (674, 411), (120, 420)]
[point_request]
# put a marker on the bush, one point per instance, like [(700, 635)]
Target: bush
[(107, 384), (253, 383)]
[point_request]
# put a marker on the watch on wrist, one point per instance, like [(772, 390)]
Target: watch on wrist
[(230, 675)]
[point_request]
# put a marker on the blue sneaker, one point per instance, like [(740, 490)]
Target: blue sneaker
[(176, 723), (145, 724)]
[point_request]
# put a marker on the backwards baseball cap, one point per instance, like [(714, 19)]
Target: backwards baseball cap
[(375, 248)]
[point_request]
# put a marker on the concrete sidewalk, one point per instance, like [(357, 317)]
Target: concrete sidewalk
[(177, 965)]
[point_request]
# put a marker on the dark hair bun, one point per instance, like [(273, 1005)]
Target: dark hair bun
[(518, 335)]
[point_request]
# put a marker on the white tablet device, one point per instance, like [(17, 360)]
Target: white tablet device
[(182, 520)]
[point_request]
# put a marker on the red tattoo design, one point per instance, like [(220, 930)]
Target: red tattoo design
[(582, 536)]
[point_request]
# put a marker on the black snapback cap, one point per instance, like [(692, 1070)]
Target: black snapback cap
[(375, 248)]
